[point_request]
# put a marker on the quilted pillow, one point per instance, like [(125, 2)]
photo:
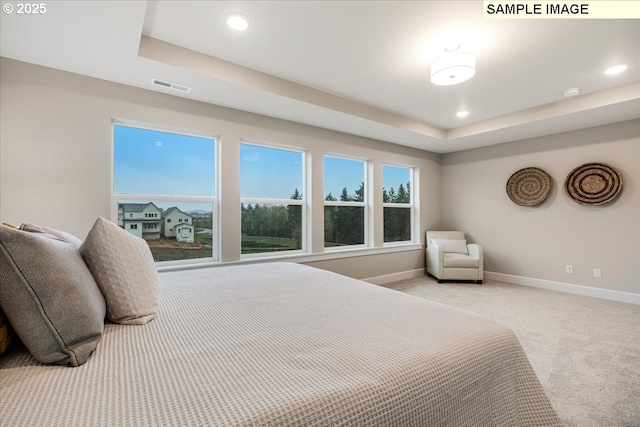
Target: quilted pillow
[(49, 296), (451, 245), (123, 267)]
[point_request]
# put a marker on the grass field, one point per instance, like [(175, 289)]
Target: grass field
[(256, 244), (250, 245), (166, 254)]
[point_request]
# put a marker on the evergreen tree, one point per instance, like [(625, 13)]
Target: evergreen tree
[(385, 196), (392, 196), (402, 196), (349, 220), (294, 215), (360, 193), (344, 196), (330, 220)]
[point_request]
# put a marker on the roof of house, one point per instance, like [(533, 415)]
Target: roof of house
[(173, 209), (136, 207)]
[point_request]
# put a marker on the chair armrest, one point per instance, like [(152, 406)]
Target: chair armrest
[(435, 260), (476, 251)]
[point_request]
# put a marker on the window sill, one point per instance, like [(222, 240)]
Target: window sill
[(302, 257)]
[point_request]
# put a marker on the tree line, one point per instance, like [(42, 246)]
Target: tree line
[(343, 225)]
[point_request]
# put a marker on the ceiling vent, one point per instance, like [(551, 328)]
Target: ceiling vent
[(174, 86)]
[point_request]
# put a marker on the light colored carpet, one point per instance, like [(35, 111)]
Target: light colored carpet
[(586, 351)]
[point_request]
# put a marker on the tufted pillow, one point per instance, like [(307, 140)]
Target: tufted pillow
[(49, 296), (123, 267), (451, 245)]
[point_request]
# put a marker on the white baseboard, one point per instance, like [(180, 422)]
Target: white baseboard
[(388, 278), (565, 287)]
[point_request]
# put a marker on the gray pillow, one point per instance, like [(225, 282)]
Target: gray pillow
[(123, 267), (62, 235), (49, 297)]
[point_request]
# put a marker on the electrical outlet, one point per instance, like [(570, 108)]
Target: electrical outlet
[(597, 272), (568, 269)]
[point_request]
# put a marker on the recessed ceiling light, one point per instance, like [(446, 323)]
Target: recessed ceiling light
[(462, 113), (571, 92), (237, 21), (616, 69)]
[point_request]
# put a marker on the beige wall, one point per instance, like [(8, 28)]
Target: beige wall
[(55, 153), (538, 242), (55, 170)]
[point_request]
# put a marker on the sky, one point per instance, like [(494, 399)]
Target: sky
[(162, 163), (269, 173), (153, 162)]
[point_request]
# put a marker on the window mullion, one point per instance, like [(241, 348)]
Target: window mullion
[(255, 201), (338, 203)]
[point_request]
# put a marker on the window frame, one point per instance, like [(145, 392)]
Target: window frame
[(304, 241), (411, 205), (368, 239), (116, 198)]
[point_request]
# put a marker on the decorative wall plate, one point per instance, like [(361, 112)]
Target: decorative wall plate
[(529, 186), (593, 184)]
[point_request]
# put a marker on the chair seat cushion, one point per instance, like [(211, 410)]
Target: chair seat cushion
[(454, 260)]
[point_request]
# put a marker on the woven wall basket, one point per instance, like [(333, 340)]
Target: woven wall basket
[(529, 186), (593, 184)]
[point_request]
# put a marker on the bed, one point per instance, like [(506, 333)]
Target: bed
[(282, 344)]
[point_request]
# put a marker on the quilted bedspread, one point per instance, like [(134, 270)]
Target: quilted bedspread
[(283, 344)]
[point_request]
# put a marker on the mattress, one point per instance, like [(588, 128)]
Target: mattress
[(283, 344)]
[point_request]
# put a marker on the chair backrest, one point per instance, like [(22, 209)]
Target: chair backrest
[(454, 235)]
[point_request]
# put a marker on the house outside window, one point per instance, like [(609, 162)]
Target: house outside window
[(398, 203), (345, 202), (161, 176), (272, 202)]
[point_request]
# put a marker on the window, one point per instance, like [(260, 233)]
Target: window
[(159, 176), (271, 199), (345, 204), (398, 203)]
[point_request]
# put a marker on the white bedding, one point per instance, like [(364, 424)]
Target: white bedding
[(284, 344)]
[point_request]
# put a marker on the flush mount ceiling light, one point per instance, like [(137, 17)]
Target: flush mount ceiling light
[(571, 92), (237, 21), (462, 114), (453, 67), (616, 69)]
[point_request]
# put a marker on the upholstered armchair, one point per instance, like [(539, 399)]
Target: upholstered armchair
[(449, 257)]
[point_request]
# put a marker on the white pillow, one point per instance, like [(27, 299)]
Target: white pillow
[(123, 268), (451, 245)]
